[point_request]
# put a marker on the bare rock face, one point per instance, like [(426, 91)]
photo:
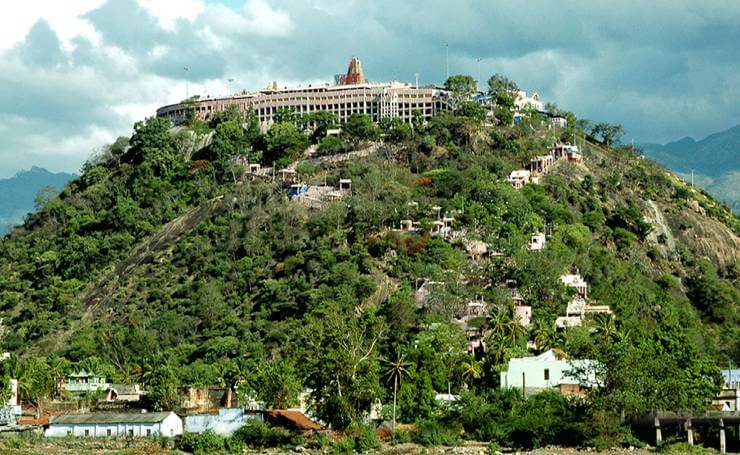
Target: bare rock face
[(705, 236)]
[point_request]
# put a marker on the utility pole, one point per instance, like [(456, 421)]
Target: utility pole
[(187, 88), (447, 60), (478, 60), (230, 81)]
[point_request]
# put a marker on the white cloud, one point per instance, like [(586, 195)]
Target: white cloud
[(256, 18), (168, 12), (62, 16)]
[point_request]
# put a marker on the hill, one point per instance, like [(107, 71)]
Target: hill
[(167, 262), (715, 161), (18, 193)]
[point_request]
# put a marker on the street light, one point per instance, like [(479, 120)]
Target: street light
[(447, 59), (187, 88), (478, 60)]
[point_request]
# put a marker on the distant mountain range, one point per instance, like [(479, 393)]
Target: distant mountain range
[(715, 161), (18, 193)]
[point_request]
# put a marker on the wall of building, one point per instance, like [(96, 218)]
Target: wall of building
[(393, 100), (225, 423), (169, 426)]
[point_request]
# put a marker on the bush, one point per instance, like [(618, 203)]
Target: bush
[(203, 443), (256, 434), (345, 445), (367, 439), (435, 433)]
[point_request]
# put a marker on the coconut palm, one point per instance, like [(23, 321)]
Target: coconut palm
[(395, 370)]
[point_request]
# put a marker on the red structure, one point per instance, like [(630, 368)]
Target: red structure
[(354, 73)]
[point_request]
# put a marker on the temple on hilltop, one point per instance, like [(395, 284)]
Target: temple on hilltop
[(354, 73), (349, 94)]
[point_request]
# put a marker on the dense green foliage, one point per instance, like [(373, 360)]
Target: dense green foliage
[(266, 295)]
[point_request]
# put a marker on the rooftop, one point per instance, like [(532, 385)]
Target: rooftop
[(110, 417)]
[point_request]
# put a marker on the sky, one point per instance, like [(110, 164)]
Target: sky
[(76, 74)]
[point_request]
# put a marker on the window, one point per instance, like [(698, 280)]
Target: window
[(547, 374)]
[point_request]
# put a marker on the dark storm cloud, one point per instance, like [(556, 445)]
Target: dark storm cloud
[(664, 69)]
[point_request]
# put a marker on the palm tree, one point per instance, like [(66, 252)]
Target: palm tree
[(472, 369), (543, 336), (604, 326), (396, 369)]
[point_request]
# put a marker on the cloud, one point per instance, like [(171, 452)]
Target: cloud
[(75, 74)]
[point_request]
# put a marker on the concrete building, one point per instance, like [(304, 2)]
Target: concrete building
[(351, 94), (225, 422), (522, 101), (123, 392), (81, 382), (576, 281), (537, 242), (113, 425), (519, 178), (728, 399), (523, 315), (549, 370)]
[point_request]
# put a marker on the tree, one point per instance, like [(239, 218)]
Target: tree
[(331, 145), (396, 369), (609, 134), (228, 141), (284, 141), (461, 87), (319, 123), (276, 383), (360, 127), (499, 83)]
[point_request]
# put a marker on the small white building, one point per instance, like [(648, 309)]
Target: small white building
[(537, 242), (223, 423), (523, 315), (522, 101), (576, 281), (111, 425), (82, 381), (549, 370), (519, 178)]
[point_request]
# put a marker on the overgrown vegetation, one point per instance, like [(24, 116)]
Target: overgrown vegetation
[(276, 298)]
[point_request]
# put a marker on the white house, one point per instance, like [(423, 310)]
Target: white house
[(83, 381), (549, 370), (576, 281), (224, 423), (103, 424), (522, 101), (519, 178), (537, 242)]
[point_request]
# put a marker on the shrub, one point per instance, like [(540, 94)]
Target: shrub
[(203, 443), (435, 433), (345, 445), (367, 439), (258, 434)]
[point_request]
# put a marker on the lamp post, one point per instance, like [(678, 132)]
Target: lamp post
[(478, 60), (447, 60), (187, 88)]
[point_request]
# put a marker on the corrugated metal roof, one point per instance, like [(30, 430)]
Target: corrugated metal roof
[(109, 417)]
